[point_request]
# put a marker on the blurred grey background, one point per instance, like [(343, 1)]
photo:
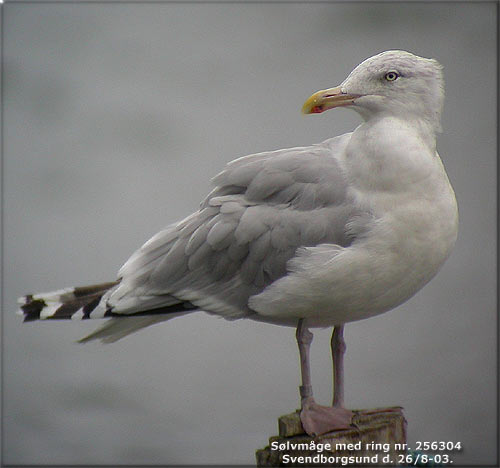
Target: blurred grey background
[(116, 116)]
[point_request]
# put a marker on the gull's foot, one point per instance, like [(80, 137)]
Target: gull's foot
[(317, 419)]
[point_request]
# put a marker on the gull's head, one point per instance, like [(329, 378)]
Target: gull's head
[(393, 82)]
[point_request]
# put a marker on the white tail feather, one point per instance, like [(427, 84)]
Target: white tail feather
[(117, 328)]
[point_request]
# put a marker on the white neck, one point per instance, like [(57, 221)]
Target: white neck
[(425, 127)]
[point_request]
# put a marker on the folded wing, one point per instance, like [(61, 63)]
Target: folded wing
[(262, 209)]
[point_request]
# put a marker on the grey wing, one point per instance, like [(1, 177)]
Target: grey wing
[(262, 209)]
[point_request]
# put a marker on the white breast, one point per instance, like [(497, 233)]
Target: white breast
[(398, 177)]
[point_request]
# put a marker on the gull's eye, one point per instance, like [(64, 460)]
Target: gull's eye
[(391, 76)]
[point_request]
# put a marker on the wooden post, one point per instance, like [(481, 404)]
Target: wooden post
[(377, 438)]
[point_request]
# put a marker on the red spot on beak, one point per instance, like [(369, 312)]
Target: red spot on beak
[(317, 110)]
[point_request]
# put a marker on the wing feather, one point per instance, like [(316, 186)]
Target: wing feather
[(262, 209)]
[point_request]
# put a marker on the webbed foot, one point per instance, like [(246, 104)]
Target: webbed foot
[(317, 419)]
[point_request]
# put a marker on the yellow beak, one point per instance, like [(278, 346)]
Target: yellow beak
[(327, 99)]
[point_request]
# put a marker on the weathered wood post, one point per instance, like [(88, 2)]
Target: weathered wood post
[(378, 437)]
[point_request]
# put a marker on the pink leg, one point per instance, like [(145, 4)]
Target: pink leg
[(316, 419), (304, 339), (338, 351)]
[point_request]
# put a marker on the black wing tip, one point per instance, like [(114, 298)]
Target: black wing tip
[(31, 309)]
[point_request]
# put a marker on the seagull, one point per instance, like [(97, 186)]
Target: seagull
[(313, 236)]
